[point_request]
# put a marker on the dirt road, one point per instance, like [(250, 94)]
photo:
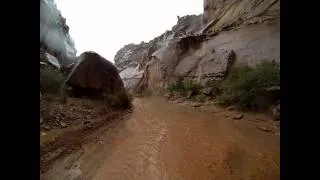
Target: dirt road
[(160, 140)]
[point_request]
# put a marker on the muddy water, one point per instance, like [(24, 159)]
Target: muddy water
[(165, 141)]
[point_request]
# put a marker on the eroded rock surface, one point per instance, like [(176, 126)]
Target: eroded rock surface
[(228, 33)]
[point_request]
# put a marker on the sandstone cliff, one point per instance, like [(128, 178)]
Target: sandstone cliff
[(229, 32)]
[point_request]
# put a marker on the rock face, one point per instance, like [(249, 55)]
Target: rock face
[(94, 76), (54, 34), (133, 60), (228, 33), (48, 59), (226, 14)]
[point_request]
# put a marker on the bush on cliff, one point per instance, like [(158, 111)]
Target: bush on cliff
[(244, 87)]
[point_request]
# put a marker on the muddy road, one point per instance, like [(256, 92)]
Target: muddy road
[(160, 140)]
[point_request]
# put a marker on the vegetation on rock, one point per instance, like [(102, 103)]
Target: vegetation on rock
[(244, 87), (50, 80), (199, 98), (184, 86)]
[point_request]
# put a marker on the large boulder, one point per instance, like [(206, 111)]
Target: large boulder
[(95, 77)]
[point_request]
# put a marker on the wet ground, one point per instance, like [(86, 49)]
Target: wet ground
[(161, 140)]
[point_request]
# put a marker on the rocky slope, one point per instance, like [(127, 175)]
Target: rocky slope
[(54, 35), (229, 32)]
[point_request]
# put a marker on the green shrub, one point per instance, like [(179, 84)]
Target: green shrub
[(244, 86), (176, 86), (50, 80), (215, 85), (184, 86), (199, 98), (190, 85)]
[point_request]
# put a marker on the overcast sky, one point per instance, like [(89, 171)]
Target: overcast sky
[(105, 26)]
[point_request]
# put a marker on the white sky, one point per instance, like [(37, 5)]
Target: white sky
[(105, 26)]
